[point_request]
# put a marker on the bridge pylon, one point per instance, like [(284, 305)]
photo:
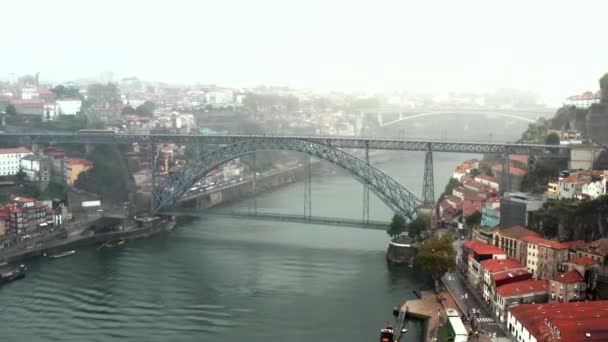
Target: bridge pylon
[(307, 187), (505, 184), (428, 185), (366, 189)]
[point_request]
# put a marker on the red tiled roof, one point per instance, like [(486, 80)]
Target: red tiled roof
[(82, 161), (523, 287), (512, 170), (471, 243), (569, 277), (598, 246), (543, 242), (27, 101), (494, 265), (487, 178), (511, 274), (572, 179), (519, 158), (575, 244), (15, 150), (484, 249), (22, 199), (575, 321), (584, 261), (517, 232)]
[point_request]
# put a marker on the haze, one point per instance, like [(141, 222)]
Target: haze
[(552, 48)]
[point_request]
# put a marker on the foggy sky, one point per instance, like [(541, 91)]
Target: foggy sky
[(552, 47)]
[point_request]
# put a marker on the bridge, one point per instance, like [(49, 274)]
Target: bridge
[(390, 115), (328, 148)]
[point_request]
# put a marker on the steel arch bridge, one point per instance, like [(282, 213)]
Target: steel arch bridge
[(391, 192)]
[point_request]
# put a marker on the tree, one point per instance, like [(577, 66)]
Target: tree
[(416, 227), (103, 95), (474, 172), (20, 176), (474, 219), (552, 139), (397, 226), (11, 110), (146, 109), (128, 109), (436, 256), (452, 183)]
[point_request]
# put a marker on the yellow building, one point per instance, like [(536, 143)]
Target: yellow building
[(74, 167)]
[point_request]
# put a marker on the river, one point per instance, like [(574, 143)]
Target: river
[(226, 279)]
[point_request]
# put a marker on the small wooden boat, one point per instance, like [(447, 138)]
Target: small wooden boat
[(113, 243), (12, 275), (63, 254)]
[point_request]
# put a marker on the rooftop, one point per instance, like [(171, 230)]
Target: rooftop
[(575, 244), (537, 240), (572, 179), (15, 150), (483, 248), (512, 170), (517, 232), (510, 274), (522, 288), (495, 266), (573, 321), (584, 261), (569, 277), (598, 246)]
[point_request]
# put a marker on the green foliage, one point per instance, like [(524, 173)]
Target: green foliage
[(128, 109), (474, 172), (474, 219), (107, 177), (146, 109), (545, 170), (65, 123), (27, 189), (11, 110), (397, 226), (552, 139), (103, 95), (452, 183), (486, 169), (54, 191), (436, 256), (417, 226), (20, 176)]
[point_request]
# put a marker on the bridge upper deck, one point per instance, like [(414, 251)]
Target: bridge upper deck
[(354, 142)]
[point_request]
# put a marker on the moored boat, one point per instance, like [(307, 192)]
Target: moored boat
[(113, 243), (12, 275), (387, 334), (63, 254)]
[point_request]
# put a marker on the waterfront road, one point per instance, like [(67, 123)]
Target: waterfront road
[(469, 300)]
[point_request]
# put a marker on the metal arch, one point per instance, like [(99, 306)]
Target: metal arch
[(393, 194)]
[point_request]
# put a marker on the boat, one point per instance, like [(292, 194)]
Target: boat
[(387, 334), (12, 275), (63, 254), (113, 243)]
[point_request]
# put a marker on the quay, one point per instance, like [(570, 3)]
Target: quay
[(428, 309), (132, 233)]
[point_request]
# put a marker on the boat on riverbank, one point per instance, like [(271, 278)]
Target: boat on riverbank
[(113, 243), (12, 275), (61, 255)]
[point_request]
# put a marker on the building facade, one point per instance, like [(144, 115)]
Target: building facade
[(10, 160), (544, 256)]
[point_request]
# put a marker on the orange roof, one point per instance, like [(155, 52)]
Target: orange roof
[(584, 261), (574, 321), (575, 244), (523, 287), (15, 150), (511, 274), (512, 170), (569, 277), (517, 232), (572, 179), (494, 265), (484, 249), (471, 243), (544, 242), (81, 161)]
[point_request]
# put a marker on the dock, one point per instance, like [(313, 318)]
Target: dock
[(430, 309)]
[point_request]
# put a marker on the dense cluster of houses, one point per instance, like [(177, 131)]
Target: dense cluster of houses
[(518, 266)]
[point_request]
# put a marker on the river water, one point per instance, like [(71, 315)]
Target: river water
[(224, 279)]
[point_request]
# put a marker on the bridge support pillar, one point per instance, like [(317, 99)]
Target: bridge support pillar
[(307, 187), (253, 184), (366, 188), (153, 165), (428, 185), (505, 184)]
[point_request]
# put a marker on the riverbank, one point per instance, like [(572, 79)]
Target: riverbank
[(131, 233)]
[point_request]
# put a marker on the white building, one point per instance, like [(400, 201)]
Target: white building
[(222, 97), (570, 187), (10, 160), (595, 189), (37, 169), (69, 106)]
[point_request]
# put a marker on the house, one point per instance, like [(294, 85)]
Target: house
[(594, 189), (517, 208), (465, 168), (27, 218), (74, 167), (509, 240), (517, 175), (481, 251), (570, 187), (141, 177), (32, 107), (552, 189), (578, 321), (490, 213), (10, 160), (598, 251), (544, 256), (490, 181), (36, 168), (517, 293), (497, 272), (68, 106), (567, 287)]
